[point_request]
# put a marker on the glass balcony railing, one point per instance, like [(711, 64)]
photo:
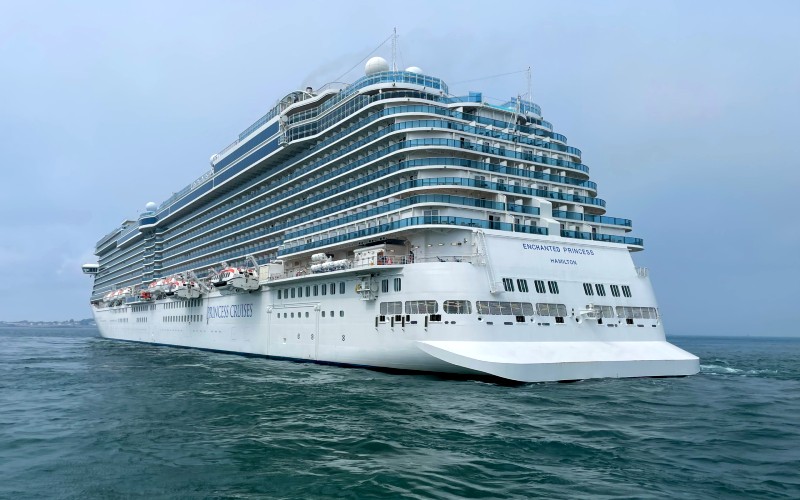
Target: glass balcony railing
[(592, 218), (441, 181), (443, 161), (365, 81), (415, 221), (390, 150), (393, 110), (611, 238), (414, 200), (381, 228), (122, 254), (370, 118)]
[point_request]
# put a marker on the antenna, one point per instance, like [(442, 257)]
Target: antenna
[(530, 92), (394, 50)]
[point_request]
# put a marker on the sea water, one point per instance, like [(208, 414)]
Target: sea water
[(84, 417)]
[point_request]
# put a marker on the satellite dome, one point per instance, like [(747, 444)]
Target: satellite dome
[(414, 69), (151, 207), (376, 65)]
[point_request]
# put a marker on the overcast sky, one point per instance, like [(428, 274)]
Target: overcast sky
[(686, 113)]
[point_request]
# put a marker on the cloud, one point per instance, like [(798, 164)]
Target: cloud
[(684, 112)]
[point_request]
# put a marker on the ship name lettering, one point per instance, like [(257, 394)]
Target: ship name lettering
[(229, 311), (546, 248), (581, 251), (557, 249)]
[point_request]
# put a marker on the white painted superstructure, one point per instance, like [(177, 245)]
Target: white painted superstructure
[(389, 224)]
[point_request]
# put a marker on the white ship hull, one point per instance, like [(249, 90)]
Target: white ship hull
[(349, 329), (391, 224)]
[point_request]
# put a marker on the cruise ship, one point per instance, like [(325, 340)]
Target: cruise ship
[(390, 224)]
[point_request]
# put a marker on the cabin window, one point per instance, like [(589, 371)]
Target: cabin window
[(637, 312), (422, 307), (457, 307), (587, 289), (552, 286), (601, 289), (397, 284), (308, 291), (614, 290), (385, 286), (626, 291), (500, 308), (522, 285), (558, 310), (316, 290), (605, 311), (391, 308), (299, 291), (508, 284), (539, 284), (333, 288)]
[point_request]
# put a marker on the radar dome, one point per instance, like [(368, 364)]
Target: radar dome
[(376, 65), (151, 207), (414, 69)]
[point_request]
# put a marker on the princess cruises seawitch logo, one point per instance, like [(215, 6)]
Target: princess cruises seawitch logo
[(229, 311), (560, 250)]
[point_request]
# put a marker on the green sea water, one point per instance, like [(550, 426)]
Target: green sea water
[(84, 417)]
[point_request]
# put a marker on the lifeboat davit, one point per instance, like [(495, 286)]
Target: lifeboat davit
[(237, 278), (188, 290)]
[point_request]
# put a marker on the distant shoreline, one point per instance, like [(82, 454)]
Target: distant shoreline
[(48, 324)]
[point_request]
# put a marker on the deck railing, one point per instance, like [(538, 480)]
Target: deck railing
[(389, 260)]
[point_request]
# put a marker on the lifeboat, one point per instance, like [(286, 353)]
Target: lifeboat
[(237, 278), (171, 284), (188, 290)]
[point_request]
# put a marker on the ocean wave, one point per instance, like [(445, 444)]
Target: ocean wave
[(114, 420)]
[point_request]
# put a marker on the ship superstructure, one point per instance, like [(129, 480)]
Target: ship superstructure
[(388, 223)]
